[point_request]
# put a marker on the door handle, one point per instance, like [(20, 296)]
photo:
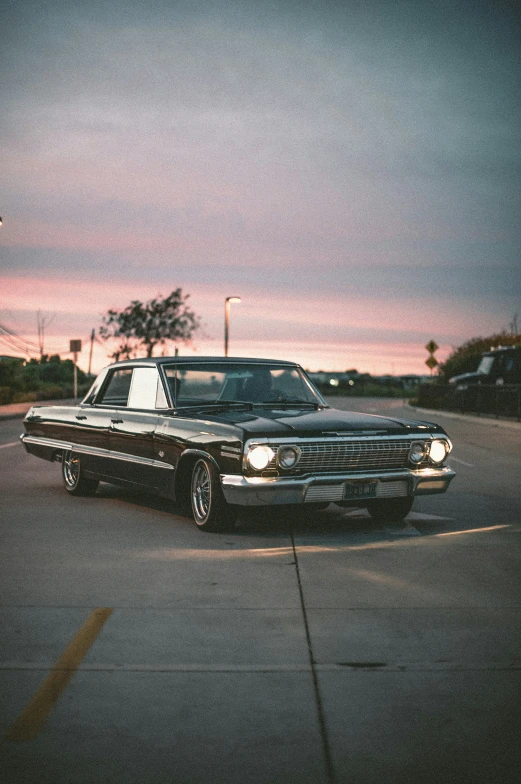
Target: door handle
[(117, 421), (81, 417)]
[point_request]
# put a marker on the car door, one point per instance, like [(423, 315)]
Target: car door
[(91, 429), (94, 417), (132, 427)]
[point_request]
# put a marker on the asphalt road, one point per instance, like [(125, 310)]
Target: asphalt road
[(136, 649)]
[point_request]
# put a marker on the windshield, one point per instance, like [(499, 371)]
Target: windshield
[(485, 366), (208, 383)]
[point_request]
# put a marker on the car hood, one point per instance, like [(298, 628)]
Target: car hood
[(467, 378), (325, 422)]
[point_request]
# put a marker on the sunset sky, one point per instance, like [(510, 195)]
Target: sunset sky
[(351, 170)]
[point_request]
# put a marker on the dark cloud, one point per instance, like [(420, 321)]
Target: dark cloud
[(371, 147), (477, 282)]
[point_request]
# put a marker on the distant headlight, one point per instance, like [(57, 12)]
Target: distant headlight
[(417, 451), (438, 451), (260, 456), (288, 456)]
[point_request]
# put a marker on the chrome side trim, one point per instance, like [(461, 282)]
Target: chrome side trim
[(233, 452), (84, 449), (41, 441)]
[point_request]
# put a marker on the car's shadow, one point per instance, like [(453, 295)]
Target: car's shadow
[(334, 525)]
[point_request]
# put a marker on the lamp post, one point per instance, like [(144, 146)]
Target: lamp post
[(227, 304)]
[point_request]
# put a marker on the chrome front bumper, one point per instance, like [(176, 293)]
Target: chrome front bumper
[(313, 488)]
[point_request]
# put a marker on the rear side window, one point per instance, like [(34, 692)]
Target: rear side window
[(146, 390), (135, 388), (117, 390)]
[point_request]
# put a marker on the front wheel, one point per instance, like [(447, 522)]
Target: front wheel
[(74, 482), (390, 510), (209, 507)]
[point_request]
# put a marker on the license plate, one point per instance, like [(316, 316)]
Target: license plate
[(353, 490)]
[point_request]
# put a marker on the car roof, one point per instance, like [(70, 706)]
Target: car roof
[(201, 360), (501, 350)]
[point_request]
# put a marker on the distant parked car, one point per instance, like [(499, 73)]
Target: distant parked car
[(218, 434), (497, 366)]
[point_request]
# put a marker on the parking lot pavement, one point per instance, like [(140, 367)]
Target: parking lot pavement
[(324, 650)]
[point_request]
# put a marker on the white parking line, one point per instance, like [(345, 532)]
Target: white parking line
[(12, 443), (457, 460)]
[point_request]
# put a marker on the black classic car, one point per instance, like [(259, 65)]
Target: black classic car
[(218, 434)]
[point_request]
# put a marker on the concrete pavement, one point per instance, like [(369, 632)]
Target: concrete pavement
[(325, 650)]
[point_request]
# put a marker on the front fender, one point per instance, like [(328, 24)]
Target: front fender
[(184, 473), (196, 453)]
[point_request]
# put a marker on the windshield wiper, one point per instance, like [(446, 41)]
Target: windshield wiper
[(218, 404), (289, 402)]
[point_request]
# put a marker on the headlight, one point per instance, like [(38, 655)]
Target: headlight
[(438, 451), (288, 456), (260, 456), (417, 451)]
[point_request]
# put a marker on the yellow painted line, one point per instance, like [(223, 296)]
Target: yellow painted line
[(33, 717)]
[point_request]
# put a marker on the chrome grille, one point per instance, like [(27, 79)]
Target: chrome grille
[(336, 492), (325, 493), (351, 455), (391, 489)]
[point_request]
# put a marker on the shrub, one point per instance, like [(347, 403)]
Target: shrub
[(6, 395), (465, 358)]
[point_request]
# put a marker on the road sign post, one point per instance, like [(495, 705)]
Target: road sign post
[(431, 360)]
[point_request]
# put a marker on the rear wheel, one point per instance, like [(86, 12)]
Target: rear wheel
[(74, 482), (390, 510), (209, 507)]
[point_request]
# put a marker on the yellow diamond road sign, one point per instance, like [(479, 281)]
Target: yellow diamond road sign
[(431, 362), (432, 346)]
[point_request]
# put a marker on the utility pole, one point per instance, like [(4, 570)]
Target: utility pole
[(40, 325), (42, 321), (75, 348), (91, 347)]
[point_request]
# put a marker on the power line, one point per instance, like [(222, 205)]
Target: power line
[(15, 342), (23, 341)]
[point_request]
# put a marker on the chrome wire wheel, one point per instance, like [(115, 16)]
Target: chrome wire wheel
[(201, 492), (209, 507), (73, 479), (71, 469)]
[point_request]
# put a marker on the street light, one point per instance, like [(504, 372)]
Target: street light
[(227, 304)]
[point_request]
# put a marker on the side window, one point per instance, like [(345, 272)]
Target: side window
[(95, 388), (146, 390), (118, 388)]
